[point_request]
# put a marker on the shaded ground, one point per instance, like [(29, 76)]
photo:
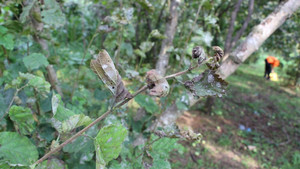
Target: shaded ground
[(257, 125)]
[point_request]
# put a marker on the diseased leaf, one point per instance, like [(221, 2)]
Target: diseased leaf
[(35, 60), (52, 14), (23, 119), (171, 131), (52, 163), (64, 120), (147, 160), (16, 149), (38, 83), (104, 67), (218, 54), (147, 103), (108, 144), (207, 83), (159, 163)]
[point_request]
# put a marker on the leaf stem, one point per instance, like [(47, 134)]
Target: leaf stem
[(12, 101)]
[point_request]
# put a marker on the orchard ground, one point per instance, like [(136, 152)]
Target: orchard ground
[(256, 125)]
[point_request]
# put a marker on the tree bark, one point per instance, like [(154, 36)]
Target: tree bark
[(258, 35), (231, 26), (163, 57)]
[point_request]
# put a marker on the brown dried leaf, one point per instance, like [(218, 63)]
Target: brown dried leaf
[(218, 54), (158, 85), (104, 67)]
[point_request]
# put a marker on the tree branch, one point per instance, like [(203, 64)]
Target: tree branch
[(142, 89), (231, 26), (245, 24)]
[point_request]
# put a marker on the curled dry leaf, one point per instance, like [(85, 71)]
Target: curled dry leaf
[(218, 54), (207, 83), (157, 84), (104, 67), (198, 52)]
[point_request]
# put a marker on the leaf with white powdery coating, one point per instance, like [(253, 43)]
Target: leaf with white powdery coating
[(108, 144), (23, 119), (17, 149), (65, 120), (52, 14), (38, 83), (207, 84)]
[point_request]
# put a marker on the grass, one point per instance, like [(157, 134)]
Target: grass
[(270, 114)]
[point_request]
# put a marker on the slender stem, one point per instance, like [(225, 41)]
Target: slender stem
[(10, 104), (182, 72), (89, 126), (145, 87), (12, 101)]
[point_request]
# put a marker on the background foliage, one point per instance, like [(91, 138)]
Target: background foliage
[(35, 119)]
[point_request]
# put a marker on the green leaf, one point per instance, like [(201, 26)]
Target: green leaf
[(159, 163), (38, 83), (3, 30), (139, 53), (17, 149), (52, 163), (182, 102), (108, 143), (207, 84), (35, 60), (7, 41), (23, 119), (146, 4), (65, 120), (52, 14), (155, 34), (146, 46), (26, 10), (148, 103)]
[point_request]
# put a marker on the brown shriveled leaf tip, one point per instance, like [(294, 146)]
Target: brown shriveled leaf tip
[(198, 52), (218, 54), (207, 83), (157, 84), (104, 67)]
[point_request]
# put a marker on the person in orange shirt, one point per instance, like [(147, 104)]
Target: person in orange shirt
[(270, 62)]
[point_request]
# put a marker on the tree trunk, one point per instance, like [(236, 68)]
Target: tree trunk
[(258, 35), (163, 57)]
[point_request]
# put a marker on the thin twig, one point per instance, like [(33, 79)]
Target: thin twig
[(12, 101), (182, 72), (145, 87), (89, 126)]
